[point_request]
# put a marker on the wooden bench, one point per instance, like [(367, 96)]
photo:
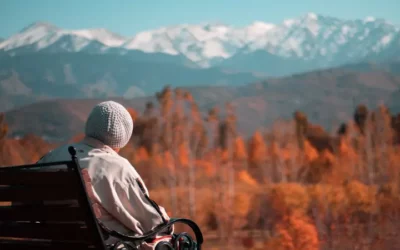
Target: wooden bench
[(43, 207)]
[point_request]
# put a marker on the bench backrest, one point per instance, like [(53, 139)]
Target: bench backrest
[(46, 208)]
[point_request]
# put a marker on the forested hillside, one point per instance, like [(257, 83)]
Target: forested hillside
[(293, 186)]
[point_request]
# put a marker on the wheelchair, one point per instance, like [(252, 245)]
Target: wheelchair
[(181, 241)]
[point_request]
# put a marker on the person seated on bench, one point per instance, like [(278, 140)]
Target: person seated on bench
[(119, 196)]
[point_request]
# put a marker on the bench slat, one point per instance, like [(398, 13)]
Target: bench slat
[(54, 178), (29, 194), (41, 213), (54, 197), (50, 231)]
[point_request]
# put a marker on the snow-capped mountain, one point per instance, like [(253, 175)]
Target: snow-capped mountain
[(313, 40), (200, 43), (41, 36)]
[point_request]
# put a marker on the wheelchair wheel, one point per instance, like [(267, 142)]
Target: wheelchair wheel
[(164, 246), (183, 241), (123, 245)]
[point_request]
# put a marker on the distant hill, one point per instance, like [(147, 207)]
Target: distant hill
[(39, 76), (58, 119), (328, 97)]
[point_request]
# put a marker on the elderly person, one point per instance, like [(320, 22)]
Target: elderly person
[(118, 195)]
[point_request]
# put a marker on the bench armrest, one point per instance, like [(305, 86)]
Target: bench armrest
[(156, 230)]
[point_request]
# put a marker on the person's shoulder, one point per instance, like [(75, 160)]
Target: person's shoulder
[(57, 154), (120, 166), (126, 166), (115, 159)]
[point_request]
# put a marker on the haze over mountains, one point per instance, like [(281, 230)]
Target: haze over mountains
[(328, 97), (31, 77)]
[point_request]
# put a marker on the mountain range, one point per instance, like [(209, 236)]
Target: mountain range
[(32, 77), (328, 97), (305, 43), (51, 77)]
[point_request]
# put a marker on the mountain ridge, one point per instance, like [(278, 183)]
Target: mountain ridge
[(29, 77), (328, 97), (313, 39)]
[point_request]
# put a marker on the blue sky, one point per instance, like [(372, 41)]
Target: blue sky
[(128, 17)]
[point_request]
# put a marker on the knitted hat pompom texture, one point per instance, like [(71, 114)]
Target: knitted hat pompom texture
[(110, 123)]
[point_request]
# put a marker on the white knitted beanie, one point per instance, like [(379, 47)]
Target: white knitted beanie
[(110, 123)]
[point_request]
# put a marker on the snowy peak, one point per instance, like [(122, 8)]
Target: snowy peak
[(104, 36), (32, 34), (309, 37), (369, 19), (39, 26), (311, 16), (257, 29), (41, 35), (152, 42)]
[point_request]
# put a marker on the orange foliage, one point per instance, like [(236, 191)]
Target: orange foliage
[(257, 148), (240, 151), (244, 177), (289, 198), (183, 155), (328, 175), (362, 198), (142, 154), (3, 127), (169, 160), (77, 138), (294, 233), (133, 113), (310, 152)]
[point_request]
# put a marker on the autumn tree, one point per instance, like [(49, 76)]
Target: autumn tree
[(257, 155), (294, 233), (165, 99), (360, 117), (240, 154), (3, 127), (342, 130), (395, 124), (301, 127)]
